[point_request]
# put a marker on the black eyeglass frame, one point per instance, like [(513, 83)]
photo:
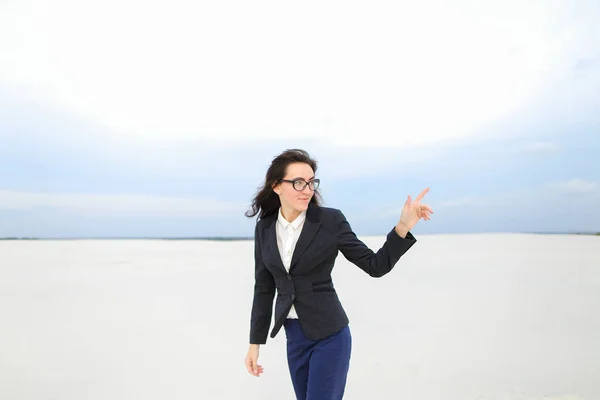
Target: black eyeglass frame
[(315, 183)]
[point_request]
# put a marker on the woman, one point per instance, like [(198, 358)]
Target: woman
[(296, 242)]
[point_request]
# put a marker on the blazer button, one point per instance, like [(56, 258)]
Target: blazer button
[(289, 277), (293, 297)]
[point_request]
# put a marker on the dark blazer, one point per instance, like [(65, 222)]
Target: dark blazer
[(308, 285)]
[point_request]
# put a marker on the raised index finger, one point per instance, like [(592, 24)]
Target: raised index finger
[(423, 193)]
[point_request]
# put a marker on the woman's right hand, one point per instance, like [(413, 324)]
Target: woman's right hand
[(252, 361)]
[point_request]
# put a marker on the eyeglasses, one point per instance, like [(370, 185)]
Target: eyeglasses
[(300, 184)]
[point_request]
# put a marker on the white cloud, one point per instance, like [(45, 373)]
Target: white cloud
[(522, 200), (463, 201), (388, 74), (527, 197), (459, 202), (541, 147), (561, 207), (127, 205), (576, 186)]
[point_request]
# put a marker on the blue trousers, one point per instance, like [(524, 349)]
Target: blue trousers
[(318, 368)]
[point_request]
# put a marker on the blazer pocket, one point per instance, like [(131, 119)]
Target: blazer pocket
[(325, 285)]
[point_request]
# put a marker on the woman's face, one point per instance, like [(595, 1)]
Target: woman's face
[(292, 199)]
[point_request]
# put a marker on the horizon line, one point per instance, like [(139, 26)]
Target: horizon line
[(233, 238)]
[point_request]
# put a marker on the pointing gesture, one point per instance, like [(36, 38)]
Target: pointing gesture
[(413, 211)]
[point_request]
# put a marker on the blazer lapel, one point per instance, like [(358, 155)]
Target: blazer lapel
[(271, 242), (310, 228)]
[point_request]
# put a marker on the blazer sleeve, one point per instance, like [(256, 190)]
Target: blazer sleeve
[(375, 264), (264, 293)]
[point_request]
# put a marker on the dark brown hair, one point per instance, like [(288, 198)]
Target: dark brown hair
[(266, 201)]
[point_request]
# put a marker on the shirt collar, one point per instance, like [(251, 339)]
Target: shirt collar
[(295, 223)]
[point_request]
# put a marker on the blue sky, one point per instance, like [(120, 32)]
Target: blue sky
[(142, 131)]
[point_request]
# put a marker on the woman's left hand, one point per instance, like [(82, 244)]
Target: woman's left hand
[(413, 211)]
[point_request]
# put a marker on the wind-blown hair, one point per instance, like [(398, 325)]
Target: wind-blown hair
[(266, 201)]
